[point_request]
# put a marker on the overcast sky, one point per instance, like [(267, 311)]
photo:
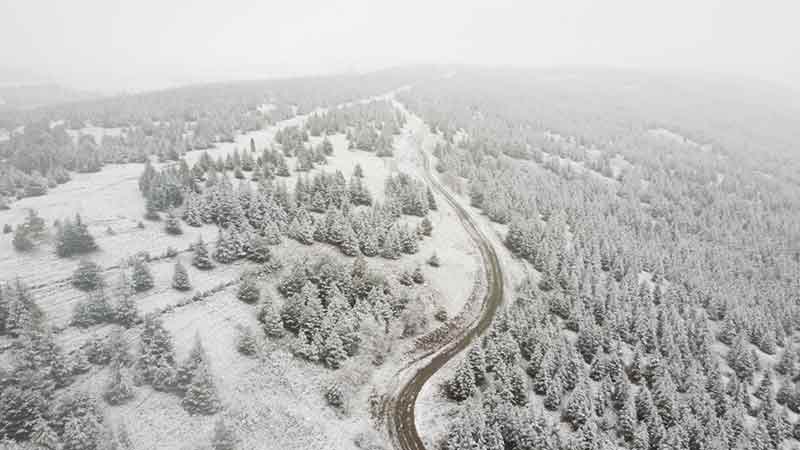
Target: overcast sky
[(111, 44)]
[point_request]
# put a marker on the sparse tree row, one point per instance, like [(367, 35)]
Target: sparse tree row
[(662, 314)]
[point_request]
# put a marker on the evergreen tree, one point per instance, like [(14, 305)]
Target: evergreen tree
[(141, 279), (272, 233), (787, 363), (200, 259), (368, 242), (350, 244), (125, 312), (553, 392), (333, 351), (392, 246), (224, 437), (248, 290), (260, 251), (92, 311), (741, 359), (425, 226), (22, 241), (270, 321), (44, 436), (87, 276), (765, 387), (156, 362), (433, 261), (431, 199), (124, 438), (477, 364), (462, 385), (119, 388), (201, 393), (226, 250), (626, 420), (579, 407), (73, 238), (172, 225), (408, 242), (180, 277), (246, 342)]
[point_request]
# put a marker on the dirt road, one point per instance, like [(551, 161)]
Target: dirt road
[(400, 408)]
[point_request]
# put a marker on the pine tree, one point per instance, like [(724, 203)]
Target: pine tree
[(246, 342), (425, 226), (302, 230), (87, 277), (462, 385), (392, 246), (626, 420), (579, 407), (272, 233), (350, 244), (368, 243), (270, 321), (201, 396), (73, 238), (172, 225), (433, 261), (740, 359), (125, 312), (553, 392), (119, 388), (156, 362), (200, 259), (141, 279), (786, 365), (518, 386), (248, 290), (124, 438), (334, 353), (259, 251), (224, 437), (226, 250), (94, 310), (641, 438), (22, 241), (180, 277), (44, 436), (477, 364), (408, 242), (431, 199), (765, 386)]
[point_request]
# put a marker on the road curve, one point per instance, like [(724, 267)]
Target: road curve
[(400, 410)]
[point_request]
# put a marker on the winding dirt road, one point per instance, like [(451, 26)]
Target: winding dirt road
[(400, 408)]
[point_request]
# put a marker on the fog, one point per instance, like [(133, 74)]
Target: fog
[(114, 45)]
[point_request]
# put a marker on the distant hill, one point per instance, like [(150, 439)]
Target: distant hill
[(32, 95), (24, 89)]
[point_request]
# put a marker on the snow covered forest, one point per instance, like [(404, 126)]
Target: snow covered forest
[(267, 264)]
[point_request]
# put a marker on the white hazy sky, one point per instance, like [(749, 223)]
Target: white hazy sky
[(112, 44)]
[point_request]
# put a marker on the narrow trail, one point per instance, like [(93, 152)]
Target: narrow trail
[(400, 409)]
